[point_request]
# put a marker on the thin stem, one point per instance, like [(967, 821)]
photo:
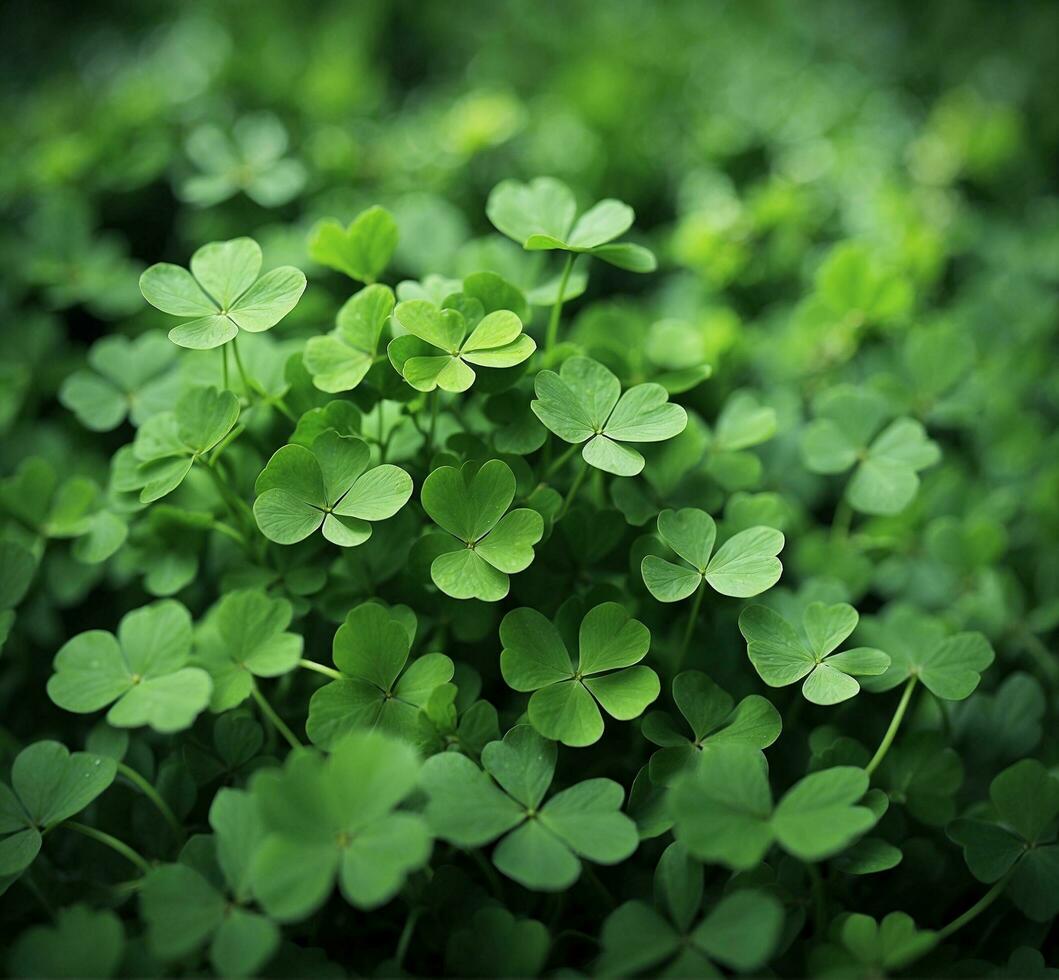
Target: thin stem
[(593, 879), (490, 875), (379, 433), (433, 420), (819, 900), (278, 723), (895, 723), (236, 432), (559, 460), (840, 523), (224, 365), (242, 371), (113, 843), (406, 935), (553, 321), (320, 669), (229, 532), (569, 499), (689, 630), (975, 910), (283, 407), (154, 796)]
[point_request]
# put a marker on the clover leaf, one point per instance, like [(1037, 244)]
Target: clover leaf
[(485, 543), (328, 486), (362, 250), (782, 655), (724, 813), (223, 292), (745, 565), (243, 637), (566, 699), (377, 687), (496, 944), (541, 844), (542, 215), (1017, 838), (846, 433), (49, 784), (336, 817), (340, 360), (584, 403), (441, 343), (714, 719), (878, 948), (83, 942), (142, 672)]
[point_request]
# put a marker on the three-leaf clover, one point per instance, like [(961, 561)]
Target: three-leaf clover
[(336, 816), (724, 813), (362, 250), (846, 433), (541, 844), (486, 543), (48, 785), (243, 637), (877, 948), (83, 942), (745, 565), (142, 672), (584, 403), (442, 343), (494, 943), (377, 687), (340, 360), (222, 292), (328, 486), (782, 655), (566, 699), (542, 216)]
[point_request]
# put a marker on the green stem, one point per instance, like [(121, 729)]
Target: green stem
[(230, 532), (819, 900), (895, 723), (112, 842), (379, 434), (242, 371), (154, 796), (840, 523), (284, 408), (569, 499), (491, 876), (278, 723), (593, 879), (321, 669), (553, 321), (236, 432), (558, 462), (434, 397), (689, 630), (224, 365), (975, 910), (406, 935)]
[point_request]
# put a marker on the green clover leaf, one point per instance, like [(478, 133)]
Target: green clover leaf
[(36, 500), (48, 785), (222, 292), (336, 817), (340, 360), (377, 687), (441, 343), (723, 810), (244, 636), (566, 699), (486, 543), (362, 250), (328, 486), (83, 942), (846, 433), (496, 944), (923, 774), (745, 565), (782, 655), (541, 844), (584, 403), (542, 215), (876, 948), (142, 672), (714, 719)]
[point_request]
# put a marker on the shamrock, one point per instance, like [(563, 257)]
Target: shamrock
[(714, 718), (781, 655), (340, 360), (878, 948), (142, 672), (374, 688), (249, 159), (335, 816), (83, 942), (244, 636), (581, 404), (127, 378), (566, 699), (169, 444), (740, 931), (923, 774), (1018, 838), (442, 343), (724, 814), (186, 905), (745, 565), (541, 215), (37, 501), (496, 944), (469, 809), (485, 543), (18, 565), (362, 250), (328, 486), (48, 785), (846, 432), (223, 292), (446, 723)]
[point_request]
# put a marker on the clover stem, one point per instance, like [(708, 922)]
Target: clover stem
[(490, 875), (557, 464), (236, 432), (689, 630), (842, 520), (113, 843), (975, 910), (575, 486), (379, 434), (819, 900), (406, 935), (278, 723), (224, 365), (321, 669), (895, 723), (239, 510), (557, 309), (593, 879), (433, 419), (229, 532), (283, 407), (154, 796)]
